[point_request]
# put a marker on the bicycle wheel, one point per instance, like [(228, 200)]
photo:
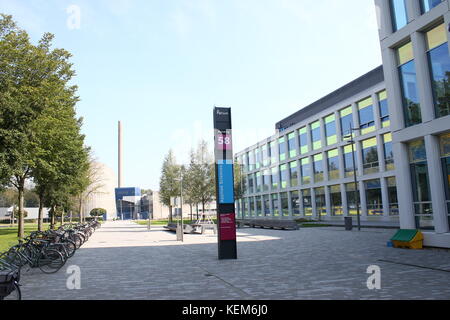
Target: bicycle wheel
[(16, 294), (70, 247), (50, 261)]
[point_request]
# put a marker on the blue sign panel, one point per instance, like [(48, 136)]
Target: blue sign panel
[(225, 179)]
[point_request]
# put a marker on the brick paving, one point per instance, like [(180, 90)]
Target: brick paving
[(123, 260)]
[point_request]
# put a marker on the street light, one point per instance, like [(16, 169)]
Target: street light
[(352, 142)]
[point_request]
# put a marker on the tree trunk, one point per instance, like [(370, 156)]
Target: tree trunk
[(41, 213), (21, 229), (190, 206), (197, 210), (81, 210), (52, 220), (203, 209), (170, 214), (62, 218)]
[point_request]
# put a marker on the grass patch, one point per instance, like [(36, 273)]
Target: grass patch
[(8, 235), (313, 225)]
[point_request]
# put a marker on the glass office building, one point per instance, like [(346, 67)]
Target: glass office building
[(390, 127)]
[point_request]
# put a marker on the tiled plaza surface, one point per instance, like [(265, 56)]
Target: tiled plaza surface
[(125, 261)]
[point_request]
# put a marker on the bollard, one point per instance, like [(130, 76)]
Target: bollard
[(348, 223)]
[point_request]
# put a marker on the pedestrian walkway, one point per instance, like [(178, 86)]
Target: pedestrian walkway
[(123, 260)]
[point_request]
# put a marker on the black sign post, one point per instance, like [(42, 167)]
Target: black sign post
[(226, 216)]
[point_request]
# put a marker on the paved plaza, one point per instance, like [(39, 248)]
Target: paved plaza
[(123, 260)]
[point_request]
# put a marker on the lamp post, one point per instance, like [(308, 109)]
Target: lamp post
[(352, 142)]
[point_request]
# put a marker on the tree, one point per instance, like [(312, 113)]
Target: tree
[(203, 174), (98, 212), (239, 189), (169, 185), (32, 80)]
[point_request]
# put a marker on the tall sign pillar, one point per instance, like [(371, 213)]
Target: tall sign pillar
[(226, 217)]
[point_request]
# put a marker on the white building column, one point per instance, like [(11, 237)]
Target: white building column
[(436, 184), (393, 88), (404, 186), (423, 76), (344, 200), (328, 200), (363, 200), (385, 197)]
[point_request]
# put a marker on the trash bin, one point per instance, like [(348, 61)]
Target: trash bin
[(348, 223)]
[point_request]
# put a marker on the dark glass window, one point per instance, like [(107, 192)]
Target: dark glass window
[(293, 173), (266, 180), (348, 160), (275, 205), (318, 168), (439, 62), (284, 204), (392, 194), (284, 176), (427, 5), (346, 116), (366, 118), (295, 203), (292, 145), (259, 210), (305, 171), (373, 197), (307, 202), (251, 184), (411, 104), (333, 164), (330, 130), (321, 208), (370, 156), (275, 178), (336, 200), (266, 204), (384, 109), (352, 199), (315, 135), (303, 138), (398, 13), (388, 152)]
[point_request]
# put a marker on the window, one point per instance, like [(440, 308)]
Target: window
[(384, 110), (273, 152), (258, 159), (282, 148), (305, 171), (266, 180), (388, 153), (336, 201), (370, 156), (265, 156), (366, 119), (252, 207), (408, 81), (245, 207), (295, 203), (318, 167), (445, 156), (266, 203), (293, 173), (321, 208), (307, 202), (398, 13), (258, 182), (350, 161), (439, 62), (373, 197), (245, 162), (245, 185), (259, 210), (251, 160), (346, 121), (284, 204), (333, 164), (420, 183), (284, 176), (330, 130), (275, 206), (251, 184), (292, 145), (352, 197), (315, 135), (392, 194), (427, 5), (303, 139), (275, 178)]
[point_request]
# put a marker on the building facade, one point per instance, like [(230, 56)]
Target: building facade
[(414, 42), (392, 123)]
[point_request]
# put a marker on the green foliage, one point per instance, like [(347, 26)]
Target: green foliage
[(98, 212), (39, 133), (169, 185)]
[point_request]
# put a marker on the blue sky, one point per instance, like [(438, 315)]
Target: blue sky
[(160, 66)]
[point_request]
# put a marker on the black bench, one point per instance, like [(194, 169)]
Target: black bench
[(271, 224)]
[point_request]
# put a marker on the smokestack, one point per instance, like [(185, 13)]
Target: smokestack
[(120, 156)]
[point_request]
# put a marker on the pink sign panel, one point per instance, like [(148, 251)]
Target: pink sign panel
[(224, 142), (227, 227)]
